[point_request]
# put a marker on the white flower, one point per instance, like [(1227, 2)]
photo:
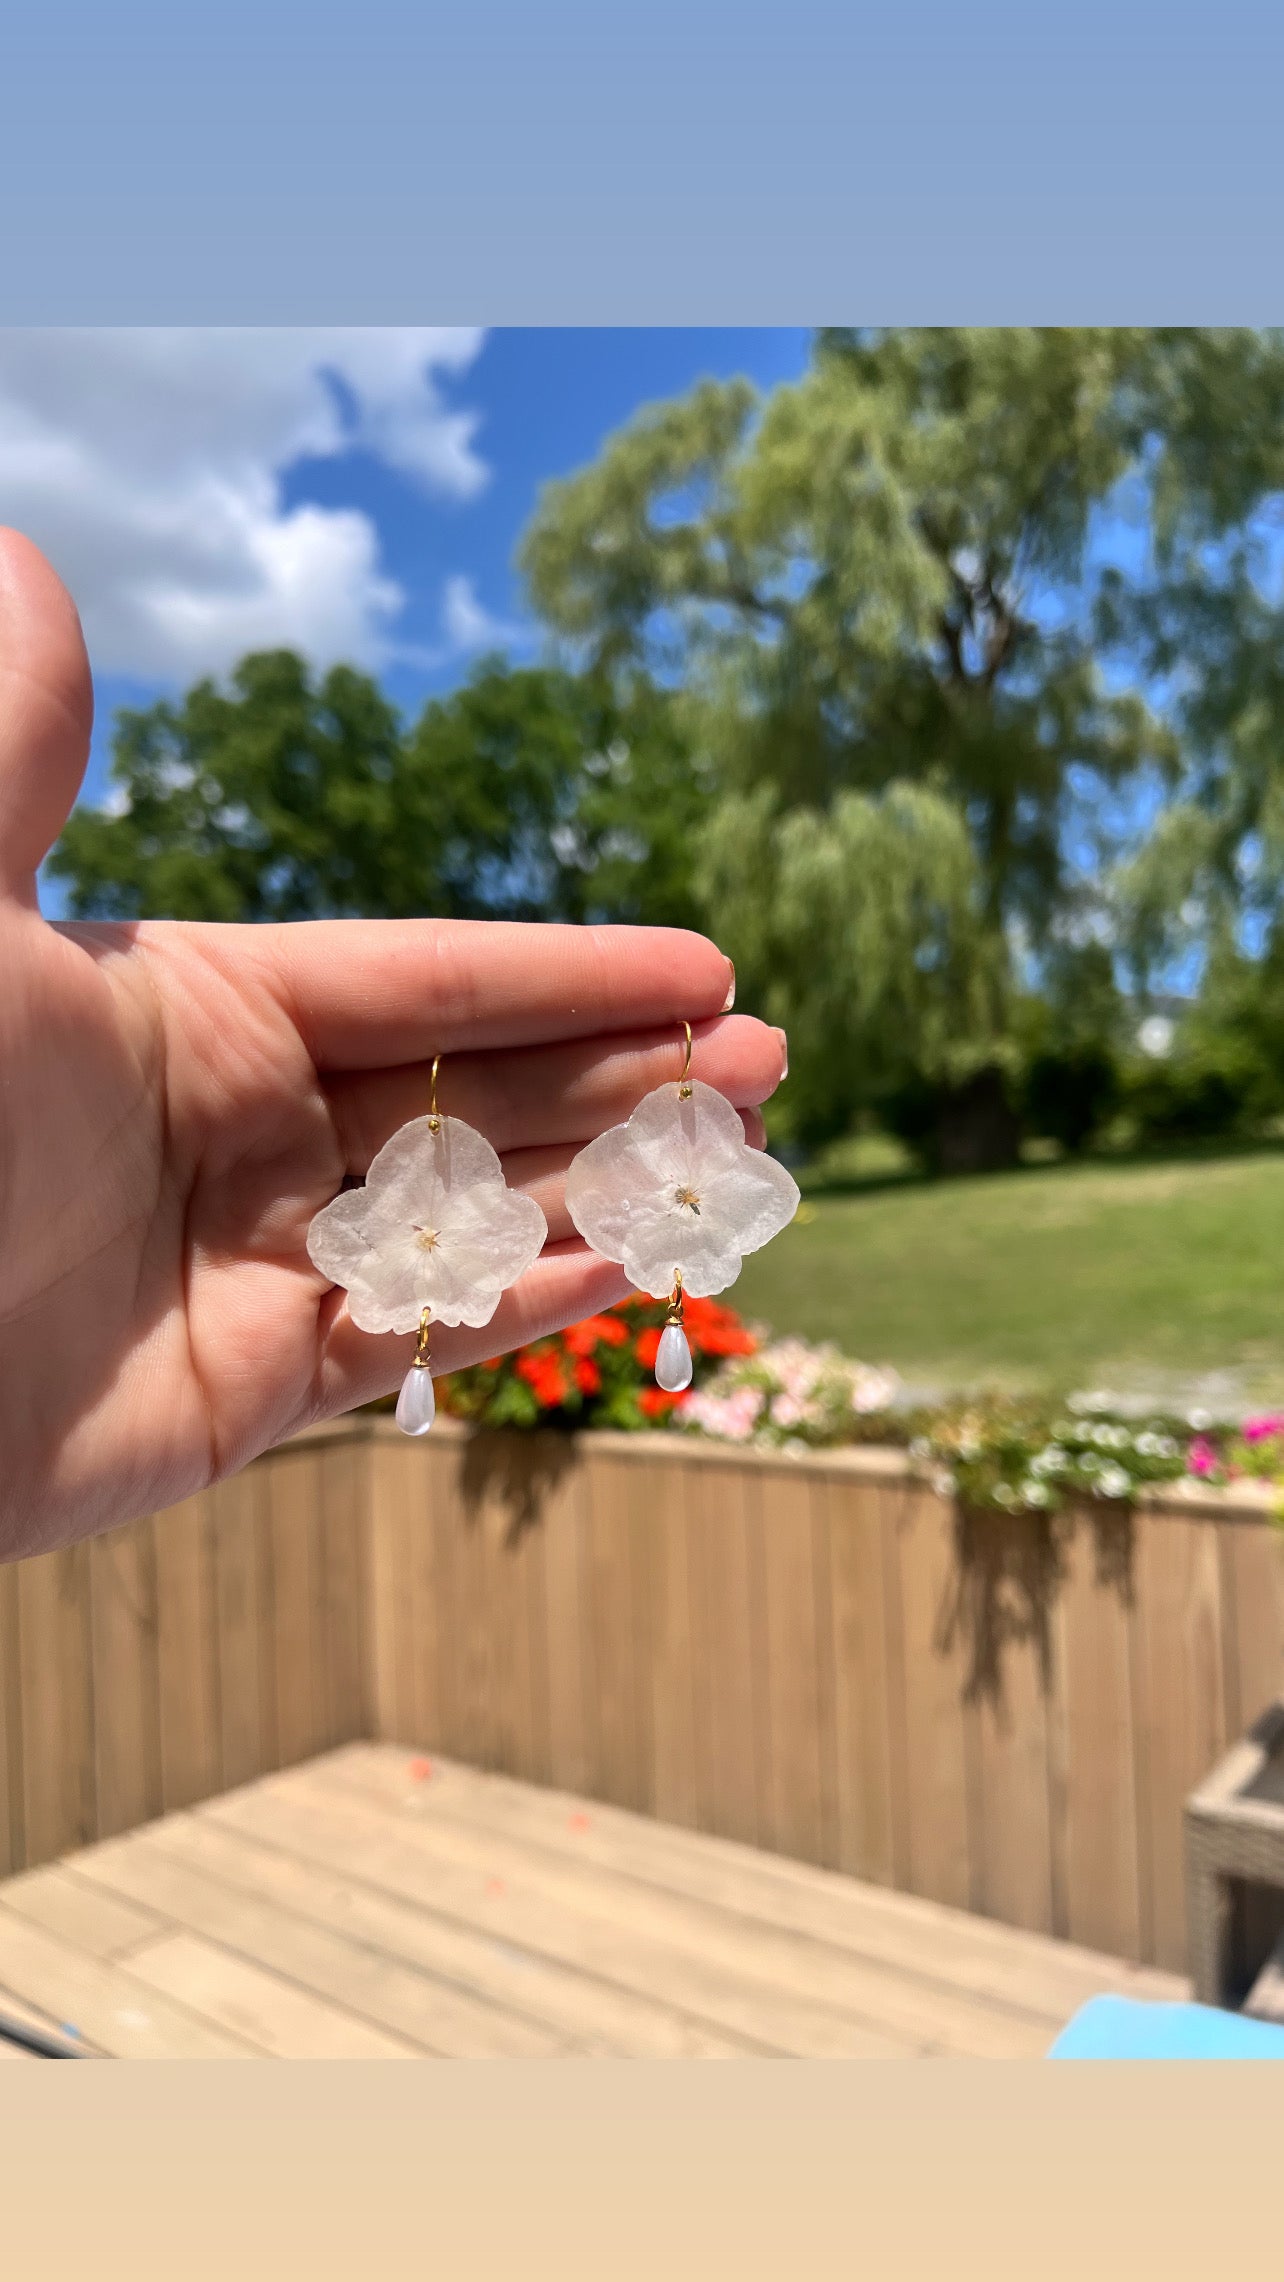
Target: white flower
[(679, 1189), (436, 1226), (1047, 1461), (1111, 1437), (1034, 1492), (1112, 1482)]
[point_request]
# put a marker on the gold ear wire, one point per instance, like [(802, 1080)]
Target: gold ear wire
[(684, 1086), (434, 1121)]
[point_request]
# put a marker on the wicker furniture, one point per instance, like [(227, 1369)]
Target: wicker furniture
[(1235, 1870)]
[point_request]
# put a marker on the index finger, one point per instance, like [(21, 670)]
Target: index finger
[(366, 993)]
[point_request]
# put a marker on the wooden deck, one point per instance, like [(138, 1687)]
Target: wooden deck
[(373, 1905)]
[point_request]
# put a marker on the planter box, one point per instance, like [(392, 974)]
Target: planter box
[(813, 1655)]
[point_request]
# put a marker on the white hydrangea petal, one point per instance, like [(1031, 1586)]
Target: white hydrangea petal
[(667, 1131), (338, 1238), (758, 1197), (657, 1248), (417, 1166), (434, 1227), (626, 1193)]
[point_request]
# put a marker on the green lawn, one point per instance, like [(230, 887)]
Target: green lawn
[(1063, 1276)]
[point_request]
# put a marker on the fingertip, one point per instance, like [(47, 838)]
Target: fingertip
[(46, 706)]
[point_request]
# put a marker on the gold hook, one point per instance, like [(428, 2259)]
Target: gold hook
[(421, 1351), (675, 1299), (434, 1121), (684, 1088)]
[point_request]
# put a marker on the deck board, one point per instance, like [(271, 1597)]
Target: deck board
[(373, 1903)]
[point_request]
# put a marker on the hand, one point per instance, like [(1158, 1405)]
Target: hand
[(177, 1101)]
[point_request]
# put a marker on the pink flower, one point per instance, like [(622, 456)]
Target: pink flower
[(1201, 1458), (1265, 1428)]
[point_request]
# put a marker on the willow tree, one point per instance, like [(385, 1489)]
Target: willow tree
[(922, 565)]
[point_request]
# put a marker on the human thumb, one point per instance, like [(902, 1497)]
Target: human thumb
[(46, 711)]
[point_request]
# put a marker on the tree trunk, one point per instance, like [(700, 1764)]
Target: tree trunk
[(977, 1128)]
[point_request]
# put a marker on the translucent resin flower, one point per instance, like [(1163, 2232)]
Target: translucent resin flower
[(679, 1188), (435, 1227)]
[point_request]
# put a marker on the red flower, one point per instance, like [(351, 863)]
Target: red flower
[(648, 1347), (587, 1376), (715, 1330), (653, 1402), (595, 1331), (543, 1375)]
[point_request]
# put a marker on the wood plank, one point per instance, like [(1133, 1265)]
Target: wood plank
[(105, 2003), (190, 1745), (287, 2022), (55, 1656), (126, 1678), (409, 1484), (724, 1625), (1028, 1971), (429, 1508), (291, 1491), (829, 1993), (858, 1530), (1013, 1572), (98, 1923), (502, 1512), (570, 1673), (392, 1491), (616, 1616), (584, 2015), (934, 1664), (339, 1519), (789, 1673), (1094, 1714), (483, 1883), (1182, 1700), (238, 1523), (169, 1868), (470, 1639), (671, 1710), (13, 1849), (1252, 1557)]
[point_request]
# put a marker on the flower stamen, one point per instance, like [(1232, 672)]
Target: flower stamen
[(689, 1198)]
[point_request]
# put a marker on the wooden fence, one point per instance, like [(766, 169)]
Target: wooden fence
[(817, 1656)]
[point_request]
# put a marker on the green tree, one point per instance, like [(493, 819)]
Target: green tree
[(956, 560), (525, 794)]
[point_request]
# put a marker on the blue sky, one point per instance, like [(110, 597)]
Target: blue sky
[(540, 403)]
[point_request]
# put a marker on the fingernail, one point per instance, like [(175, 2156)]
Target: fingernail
[(730, 999), (784, 1055)]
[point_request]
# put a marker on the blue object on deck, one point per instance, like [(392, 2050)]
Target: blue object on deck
[(1120, 2028)]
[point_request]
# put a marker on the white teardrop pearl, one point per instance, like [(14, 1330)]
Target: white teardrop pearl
[(673, 1360), (417, 1403)]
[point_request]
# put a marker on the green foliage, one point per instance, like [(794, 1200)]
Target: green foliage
[(525, 794), (861, 929), (1212, 1086), (1024, 1454), (884, 580)]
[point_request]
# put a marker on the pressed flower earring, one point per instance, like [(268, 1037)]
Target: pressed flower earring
[(434, 1236), (678, 1197)]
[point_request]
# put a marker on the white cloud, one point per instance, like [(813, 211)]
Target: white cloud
[(468, 623), (148, 463)]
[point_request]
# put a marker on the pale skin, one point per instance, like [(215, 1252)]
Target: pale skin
[(176, 1101)]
